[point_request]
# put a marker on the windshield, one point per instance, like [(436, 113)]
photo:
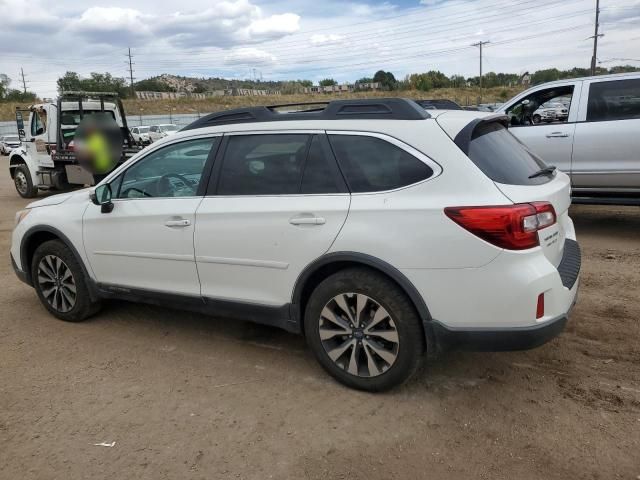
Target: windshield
[(143, 129), (168, 128), (11, 138), (72, 117)]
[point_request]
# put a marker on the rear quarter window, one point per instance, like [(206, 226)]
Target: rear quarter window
[(371, 164), (503, 158)]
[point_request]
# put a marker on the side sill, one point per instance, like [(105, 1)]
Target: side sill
[(263, 314), (495, 340)]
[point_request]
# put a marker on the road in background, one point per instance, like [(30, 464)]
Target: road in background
[(184, 396)]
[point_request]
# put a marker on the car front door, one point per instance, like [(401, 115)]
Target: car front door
[(40, 137), (146, 241), (551, 141), (606, 151), (275, 203)]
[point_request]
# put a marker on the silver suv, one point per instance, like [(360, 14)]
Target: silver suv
[(597, 143)]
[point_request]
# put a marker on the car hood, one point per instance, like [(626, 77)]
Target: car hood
[(60, 198)]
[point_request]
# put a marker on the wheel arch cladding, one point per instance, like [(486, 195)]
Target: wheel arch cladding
[(36, 236), (14, 162), (331, 263)]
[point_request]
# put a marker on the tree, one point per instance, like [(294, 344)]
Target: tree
[(97, 82), (153, 85), (327, 82), (13, 95), (305, 83), (386, 79), (365, 80), (5, 81)]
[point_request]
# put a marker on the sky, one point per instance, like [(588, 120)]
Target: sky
[(307, 39)]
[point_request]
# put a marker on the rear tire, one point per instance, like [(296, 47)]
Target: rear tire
[(23, 183), (60, 282), (364, 330)]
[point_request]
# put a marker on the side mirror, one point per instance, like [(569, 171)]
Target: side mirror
[(102, 196), (526, 102)]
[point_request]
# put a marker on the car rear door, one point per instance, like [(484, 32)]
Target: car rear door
[(606, 151), (275, 203)]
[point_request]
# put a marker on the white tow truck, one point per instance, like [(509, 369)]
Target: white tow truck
[(46, 160)]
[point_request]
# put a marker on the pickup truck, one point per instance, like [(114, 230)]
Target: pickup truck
[(597, 143), (47, 159)]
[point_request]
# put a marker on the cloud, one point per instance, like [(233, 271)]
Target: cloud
[(274, 26), (249, 56), (330, 39), (112, 25)]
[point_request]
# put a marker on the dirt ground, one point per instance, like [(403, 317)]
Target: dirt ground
[(188, 397)]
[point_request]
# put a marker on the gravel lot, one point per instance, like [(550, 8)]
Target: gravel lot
[(184, 396)]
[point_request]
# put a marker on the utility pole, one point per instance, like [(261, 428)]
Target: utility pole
[(594, 59), (24, 83), (133, 90), (480, 44)]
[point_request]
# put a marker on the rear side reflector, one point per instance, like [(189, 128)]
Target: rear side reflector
[(514, 227), (540, 307)]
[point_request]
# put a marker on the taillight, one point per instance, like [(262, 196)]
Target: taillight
[(514, 227)]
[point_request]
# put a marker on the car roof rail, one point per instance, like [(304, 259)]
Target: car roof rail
[(355, 109)]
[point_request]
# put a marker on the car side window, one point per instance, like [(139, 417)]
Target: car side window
[(371, 164), (172, 171), (550, 105), (38, 122), (263, 164), (614, 100)]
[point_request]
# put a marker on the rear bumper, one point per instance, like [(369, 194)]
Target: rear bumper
[(493, 308), (496, 340)]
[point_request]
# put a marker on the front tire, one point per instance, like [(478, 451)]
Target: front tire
[(23, 182), (537, 119), (364, 330), (60, 282)]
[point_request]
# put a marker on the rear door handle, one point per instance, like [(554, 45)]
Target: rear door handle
[(183, 222), (557, 135), (307, 221)]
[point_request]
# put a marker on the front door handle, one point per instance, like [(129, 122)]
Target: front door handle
[(307, 221), (183, 222), (557, 135)]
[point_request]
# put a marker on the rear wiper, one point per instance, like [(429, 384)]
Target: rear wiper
[(544, 171)]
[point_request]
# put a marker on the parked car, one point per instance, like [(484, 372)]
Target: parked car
[(348, 224), (551, 112), (156, 132), (438, 104), (8, 143), (596, 142), (141, 135)]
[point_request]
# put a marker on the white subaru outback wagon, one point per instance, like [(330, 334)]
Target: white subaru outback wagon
[(380, 231)]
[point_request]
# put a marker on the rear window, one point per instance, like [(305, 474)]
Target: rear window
[(503, 158)]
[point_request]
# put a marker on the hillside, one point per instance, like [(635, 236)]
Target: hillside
[(464, 96)]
